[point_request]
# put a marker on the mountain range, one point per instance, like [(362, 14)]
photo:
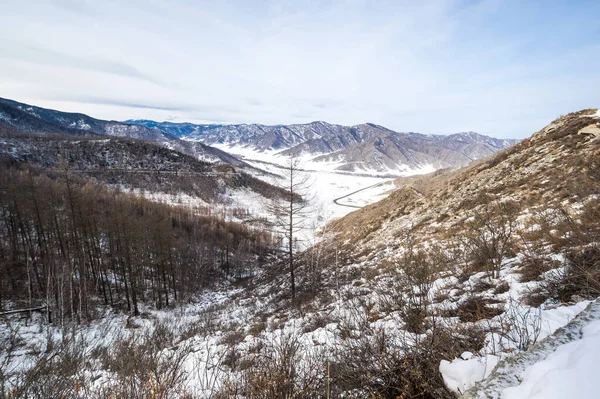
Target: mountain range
[(122, 155), (360, 148)]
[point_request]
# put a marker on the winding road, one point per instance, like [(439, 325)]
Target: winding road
[(335, 201)]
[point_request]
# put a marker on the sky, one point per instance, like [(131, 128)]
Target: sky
[(504, 68)]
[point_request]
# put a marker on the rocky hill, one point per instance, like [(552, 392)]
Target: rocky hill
[(557, 163)]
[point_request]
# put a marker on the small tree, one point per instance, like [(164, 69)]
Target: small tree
[(291, 212)]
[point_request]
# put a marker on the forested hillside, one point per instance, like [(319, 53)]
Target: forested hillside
[(130, 164), (71, 244)]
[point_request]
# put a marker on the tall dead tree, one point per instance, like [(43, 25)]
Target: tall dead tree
[(291, 212)]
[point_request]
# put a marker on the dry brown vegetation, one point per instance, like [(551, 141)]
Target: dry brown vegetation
[(554, 165)]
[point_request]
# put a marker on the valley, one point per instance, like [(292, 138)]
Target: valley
[(164, 272), (294, 199)]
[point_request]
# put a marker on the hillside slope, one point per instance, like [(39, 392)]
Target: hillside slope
[(31, 119), (131, 164), (557, 163), (394, 151)]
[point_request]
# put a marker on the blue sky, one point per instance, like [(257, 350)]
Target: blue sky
[(503, 68)]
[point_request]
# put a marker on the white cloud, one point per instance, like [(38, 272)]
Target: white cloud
[(429, 66)]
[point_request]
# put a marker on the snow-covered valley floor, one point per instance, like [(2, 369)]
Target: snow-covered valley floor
[(325, 181)]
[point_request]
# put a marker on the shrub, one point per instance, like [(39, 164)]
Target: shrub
[(415, 318), (476, 308), (580, 276), (55, 373), (532, 267), (502, 288), (488, 238), (281, 369), (382, 366), (145, 366)]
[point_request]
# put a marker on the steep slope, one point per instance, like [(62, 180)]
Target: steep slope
[(345, 138), (404, 151), (557, 163)]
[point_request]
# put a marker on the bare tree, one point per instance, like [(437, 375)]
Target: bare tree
[(290, 212)]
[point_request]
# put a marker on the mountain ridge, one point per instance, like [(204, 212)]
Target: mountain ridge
[(355, 148), (32, 119), (362, 148), (555, 162)]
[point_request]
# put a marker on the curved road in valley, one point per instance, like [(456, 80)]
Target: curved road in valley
[(335, 201)]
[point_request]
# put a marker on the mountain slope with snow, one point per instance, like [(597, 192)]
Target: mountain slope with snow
[(361, 148), (32, 119)]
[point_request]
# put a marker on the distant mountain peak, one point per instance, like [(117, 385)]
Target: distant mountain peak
[(366, 147)]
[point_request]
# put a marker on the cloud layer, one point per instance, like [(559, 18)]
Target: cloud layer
[(496, 67)]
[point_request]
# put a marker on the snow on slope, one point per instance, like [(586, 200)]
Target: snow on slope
[(309, 163), (560, 366), (570, 371), (463, 373)]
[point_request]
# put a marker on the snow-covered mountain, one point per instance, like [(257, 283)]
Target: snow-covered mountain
[(30, 118), (256, 136), (364, 148), (360, 148)]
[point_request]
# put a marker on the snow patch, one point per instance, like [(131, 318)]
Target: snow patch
[(569, 372), (4, 117), (462, 373)]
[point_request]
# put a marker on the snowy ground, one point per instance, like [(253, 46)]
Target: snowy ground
[(563, 365), (227, 321), (325, 186), (327, 183), (570, 371)]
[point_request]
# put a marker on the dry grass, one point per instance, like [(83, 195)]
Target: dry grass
[(580, 278), (476, 308)]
